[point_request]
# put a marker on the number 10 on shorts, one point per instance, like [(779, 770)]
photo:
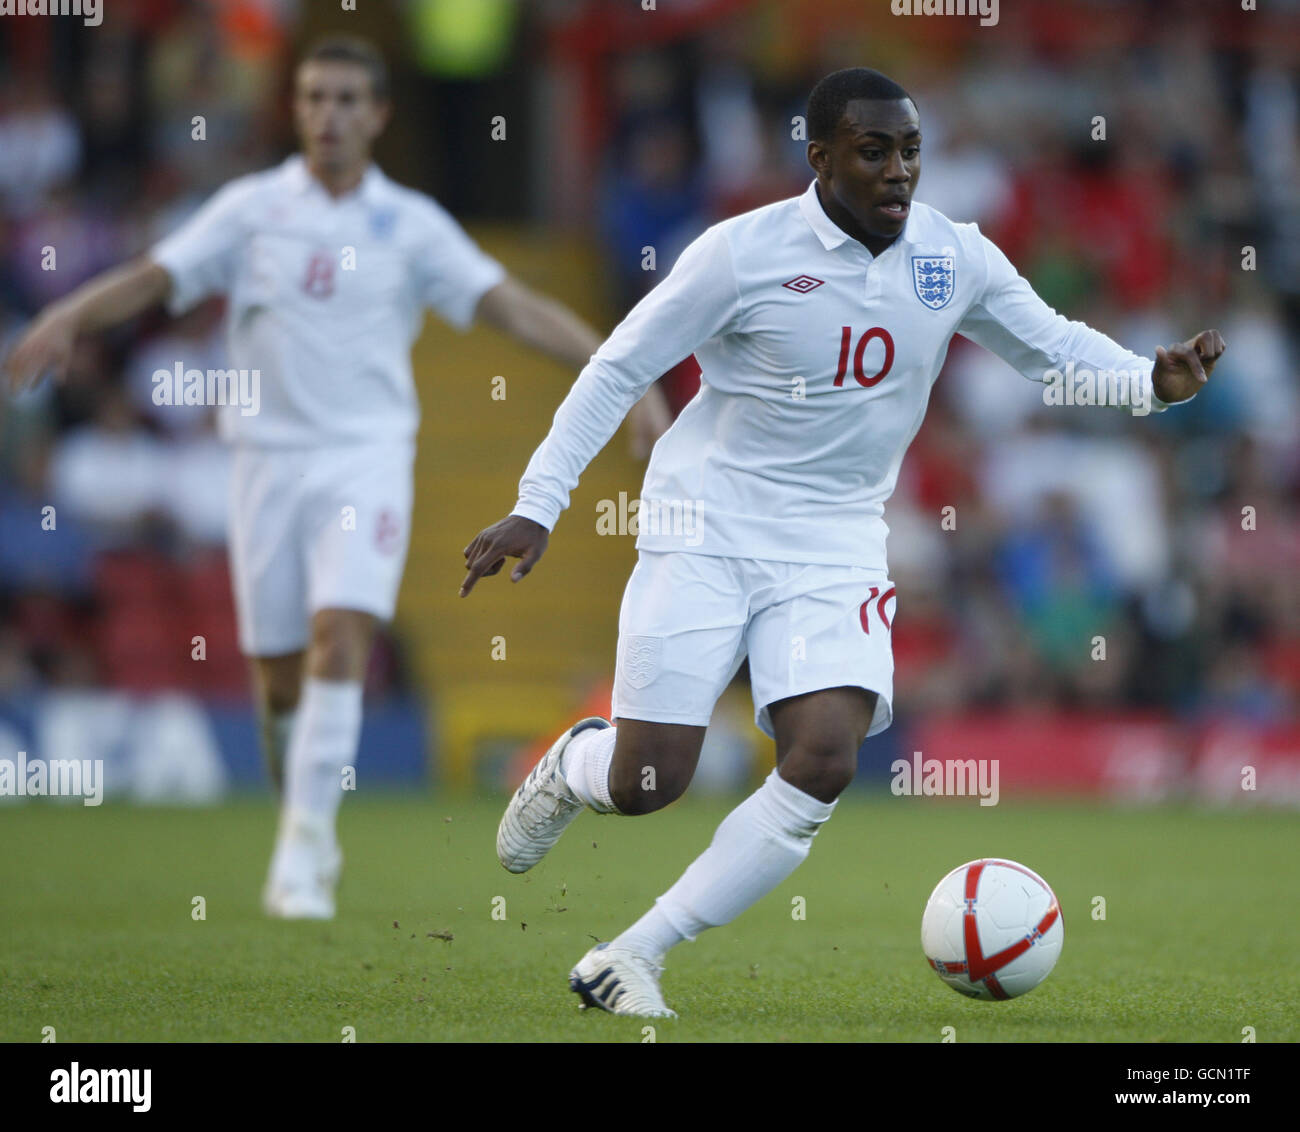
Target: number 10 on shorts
[(878, 602)]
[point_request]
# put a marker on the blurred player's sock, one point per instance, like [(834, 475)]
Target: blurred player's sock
[(277, 728), (325, 739), (760, 843), (585, 767), (305, 864)]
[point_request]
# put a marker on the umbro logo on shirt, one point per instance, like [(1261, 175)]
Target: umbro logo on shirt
[(803, 284)]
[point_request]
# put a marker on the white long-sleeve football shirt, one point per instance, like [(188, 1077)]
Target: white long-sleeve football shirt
[(326, 297), (817, 363)]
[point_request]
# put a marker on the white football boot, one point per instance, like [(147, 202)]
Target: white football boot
[(304, 872), (619, 981), (542, 807)]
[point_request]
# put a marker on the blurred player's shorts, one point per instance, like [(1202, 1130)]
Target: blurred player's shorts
[(311, 529)]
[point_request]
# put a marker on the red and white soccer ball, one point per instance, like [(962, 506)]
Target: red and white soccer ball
[(992, 929)]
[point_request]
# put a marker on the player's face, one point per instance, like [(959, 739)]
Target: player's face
[(337, 114), (872, 164)]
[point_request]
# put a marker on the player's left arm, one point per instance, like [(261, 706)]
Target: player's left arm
[(1010, 319)]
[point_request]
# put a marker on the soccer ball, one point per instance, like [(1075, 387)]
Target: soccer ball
[(992, 929)]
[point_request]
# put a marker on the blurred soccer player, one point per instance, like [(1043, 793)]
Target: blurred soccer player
[(327, 266), (820, 324)]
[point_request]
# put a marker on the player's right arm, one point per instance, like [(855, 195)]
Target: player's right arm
[(697, 301), (192, 263), (114, 297)]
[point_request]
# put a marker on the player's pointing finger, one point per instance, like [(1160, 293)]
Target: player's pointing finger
[(479, 567)]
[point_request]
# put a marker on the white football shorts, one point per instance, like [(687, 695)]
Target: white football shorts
[(689, 620), (312, 529)]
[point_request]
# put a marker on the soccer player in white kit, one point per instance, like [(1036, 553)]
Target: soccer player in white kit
[(820, 324), (328, 267)]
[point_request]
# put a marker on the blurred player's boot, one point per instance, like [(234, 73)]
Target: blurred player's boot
[(304, 872), (542, 806), (619, 981)]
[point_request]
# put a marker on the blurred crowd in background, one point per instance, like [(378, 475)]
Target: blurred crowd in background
[(1176, 537)]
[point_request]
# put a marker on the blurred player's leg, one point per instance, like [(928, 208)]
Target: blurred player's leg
[(266, 572), (326, 732), (350, 529), (277, 687)]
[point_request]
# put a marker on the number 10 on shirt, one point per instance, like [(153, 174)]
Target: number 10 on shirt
[(846, 339)]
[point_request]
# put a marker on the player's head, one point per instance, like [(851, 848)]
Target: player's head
[(864, 142), (340, 101)]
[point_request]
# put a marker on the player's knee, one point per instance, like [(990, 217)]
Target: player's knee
[(281, 698), (340, 646), (822, 768), (641, 785), (277, 683)]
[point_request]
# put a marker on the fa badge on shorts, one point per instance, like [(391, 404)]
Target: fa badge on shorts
[(641, 660)]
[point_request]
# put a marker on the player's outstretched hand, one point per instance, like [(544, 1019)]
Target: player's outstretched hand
[(45, 347), (1183, 368), (513, 537)]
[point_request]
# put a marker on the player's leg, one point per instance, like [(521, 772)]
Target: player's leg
[(806, 637), (652, 764), (668, 676), (818, 735), (277, 687), (635, 767), (765, 838), (757, 846), (680, 641)]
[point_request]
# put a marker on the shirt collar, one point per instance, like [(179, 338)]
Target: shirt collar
[(827, 231), (301, 181)]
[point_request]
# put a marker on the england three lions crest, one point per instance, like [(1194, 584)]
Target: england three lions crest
[(934, 277)]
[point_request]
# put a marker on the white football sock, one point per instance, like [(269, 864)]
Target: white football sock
[(324, 741), (585, 766), (277, 729), (760, 843)]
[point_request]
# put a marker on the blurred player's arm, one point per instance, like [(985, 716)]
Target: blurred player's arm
[(186, 267), (109, 299), (551, 328), (698, 300), (1012, 321)]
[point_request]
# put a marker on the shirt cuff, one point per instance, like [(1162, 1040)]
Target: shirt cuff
[(538, 513), (492, 274), (179, 299)]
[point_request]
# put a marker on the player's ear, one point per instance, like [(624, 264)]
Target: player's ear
[(819, 156)]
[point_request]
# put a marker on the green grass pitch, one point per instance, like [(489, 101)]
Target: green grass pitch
[(1199, 938)]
